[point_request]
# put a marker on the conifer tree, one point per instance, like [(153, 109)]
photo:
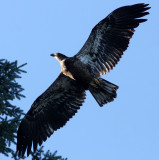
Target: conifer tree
[(10, 115)]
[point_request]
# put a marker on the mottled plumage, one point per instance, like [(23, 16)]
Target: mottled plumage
[(101, 52), (110, 37), (49, 112)]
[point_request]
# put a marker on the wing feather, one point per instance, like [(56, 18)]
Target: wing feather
[(49, 112), (110, 38)]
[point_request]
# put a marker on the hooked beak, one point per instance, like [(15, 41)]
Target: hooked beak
[(53, 55)]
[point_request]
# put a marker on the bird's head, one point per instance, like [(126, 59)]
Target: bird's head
[(59, 56)]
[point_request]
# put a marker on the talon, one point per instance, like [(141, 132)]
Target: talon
[(96, 81), (94, 85)]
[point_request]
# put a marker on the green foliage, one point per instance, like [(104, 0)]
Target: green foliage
[(10, 115), (40, 155)]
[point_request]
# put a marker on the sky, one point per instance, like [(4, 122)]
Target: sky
[(125, 129)]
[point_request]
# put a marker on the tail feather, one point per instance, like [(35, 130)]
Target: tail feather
[(103, 91)]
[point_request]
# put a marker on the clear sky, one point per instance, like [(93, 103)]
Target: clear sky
[(126, 129)]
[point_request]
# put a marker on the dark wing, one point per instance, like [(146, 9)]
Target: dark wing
[(49, 112), (110, 38)]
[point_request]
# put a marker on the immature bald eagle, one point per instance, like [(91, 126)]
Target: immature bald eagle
[(101, 52)]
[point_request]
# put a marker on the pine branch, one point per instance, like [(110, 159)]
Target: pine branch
[(10, 115)]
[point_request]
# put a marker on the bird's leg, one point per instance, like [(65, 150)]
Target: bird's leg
[(96, 81), (94, 85)]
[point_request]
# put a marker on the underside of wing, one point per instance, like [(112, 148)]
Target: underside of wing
[(110, 38), (49, 112)]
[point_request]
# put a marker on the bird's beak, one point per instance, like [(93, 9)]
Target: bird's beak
[(53, 55)]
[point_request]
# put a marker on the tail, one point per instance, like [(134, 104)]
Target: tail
[(103, 91)]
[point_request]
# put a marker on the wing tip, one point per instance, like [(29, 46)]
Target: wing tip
[(143, 6)]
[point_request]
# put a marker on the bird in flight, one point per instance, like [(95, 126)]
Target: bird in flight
[(100, 53)]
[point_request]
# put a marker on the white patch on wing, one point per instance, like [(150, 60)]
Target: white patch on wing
[(50, 128), (85, 59), (93, 58), (97, 42)]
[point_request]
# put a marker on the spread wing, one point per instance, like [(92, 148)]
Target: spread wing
[(49, 112), (110, 38)]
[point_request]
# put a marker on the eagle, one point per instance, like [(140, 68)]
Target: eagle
[(100, 53)]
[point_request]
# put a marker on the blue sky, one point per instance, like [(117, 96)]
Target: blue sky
[(126, 129)]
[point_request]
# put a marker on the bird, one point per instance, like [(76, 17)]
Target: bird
[(101, 52)]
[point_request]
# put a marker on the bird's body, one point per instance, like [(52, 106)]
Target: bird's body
[(101, 52), (70, 67)]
